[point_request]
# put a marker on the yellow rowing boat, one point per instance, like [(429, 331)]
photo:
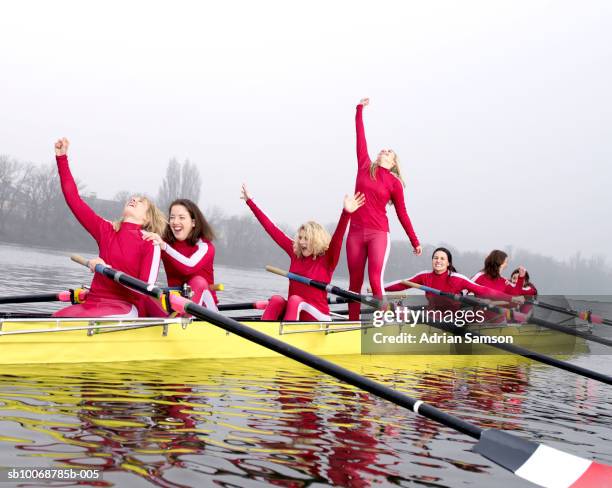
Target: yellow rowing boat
[(36, 341)]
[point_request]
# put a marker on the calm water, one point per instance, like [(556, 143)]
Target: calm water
[(274, 422)]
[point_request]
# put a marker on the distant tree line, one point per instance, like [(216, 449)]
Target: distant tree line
[(33, 212)]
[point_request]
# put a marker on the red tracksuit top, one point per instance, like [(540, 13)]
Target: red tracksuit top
[(124, 250), (449, 282), (386, 187), (519, 288), (320, 268), (183, 261), (500, 283)]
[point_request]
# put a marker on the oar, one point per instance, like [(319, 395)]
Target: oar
[(585, 315), (257, 305), (520, 317), (349, 295), (213, 287), (75, 296), (527, 459)]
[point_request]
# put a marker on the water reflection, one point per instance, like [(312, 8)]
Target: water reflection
[(243, 423)]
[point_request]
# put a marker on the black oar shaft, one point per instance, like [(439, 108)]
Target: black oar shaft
[(554, 308), (43, 297), (568, 330), (568, 311)]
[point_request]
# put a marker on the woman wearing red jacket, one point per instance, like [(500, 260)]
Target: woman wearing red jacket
[(368, 240), (120, 246), (491, 277), (522, 286), (520, 282), (188, 252), (313, 254)]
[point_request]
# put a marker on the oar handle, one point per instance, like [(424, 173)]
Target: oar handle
[(80, 260), (275, 270)]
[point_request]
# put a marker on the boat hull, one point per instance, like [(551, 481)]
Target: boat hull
[(96, 340)]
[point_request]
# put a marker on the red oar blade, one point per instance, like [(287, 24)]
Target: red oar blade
[(540, 464)]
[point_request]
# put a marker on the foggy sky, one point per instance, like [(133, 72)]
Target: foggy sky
[(500, 111)]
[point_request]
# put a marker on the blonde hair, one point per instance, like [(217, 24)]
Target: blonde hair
[(156, 220), (396, 170), (318, 239)]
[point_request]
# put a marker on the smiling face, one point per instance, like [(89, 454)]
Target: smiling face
[(304, 244), (514, 278), (181, 222), (135, 210), (439, 262)]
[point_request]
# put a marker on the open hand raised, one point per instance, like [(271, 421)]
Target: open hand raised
[(353, 203), (245, 193)]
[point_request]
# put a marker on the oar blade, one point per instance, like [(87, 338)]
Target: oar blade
[(541, 464)]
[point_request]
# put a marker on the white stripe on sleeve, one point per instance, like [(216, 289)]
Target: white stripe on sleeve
[(154, 266), (194, 259)]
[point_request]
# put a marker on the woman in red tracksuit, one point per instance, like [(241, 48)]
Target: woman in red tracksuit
[(522, 286), (519, 280), (491, 277), (313, 254), (368, 239), (188, 252), (444, 277), (120, 246)]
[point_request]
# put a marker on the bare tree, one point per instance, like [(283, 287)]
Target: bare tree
[(9, 169), (122, 196), (181, 181), (191, 183)]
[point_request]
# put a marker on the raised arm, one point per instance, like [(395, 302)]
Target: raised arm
[(335, 245), (363, 159), (397, 196), (277, 235), (515, 288), (91, 221), (519, 288)]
